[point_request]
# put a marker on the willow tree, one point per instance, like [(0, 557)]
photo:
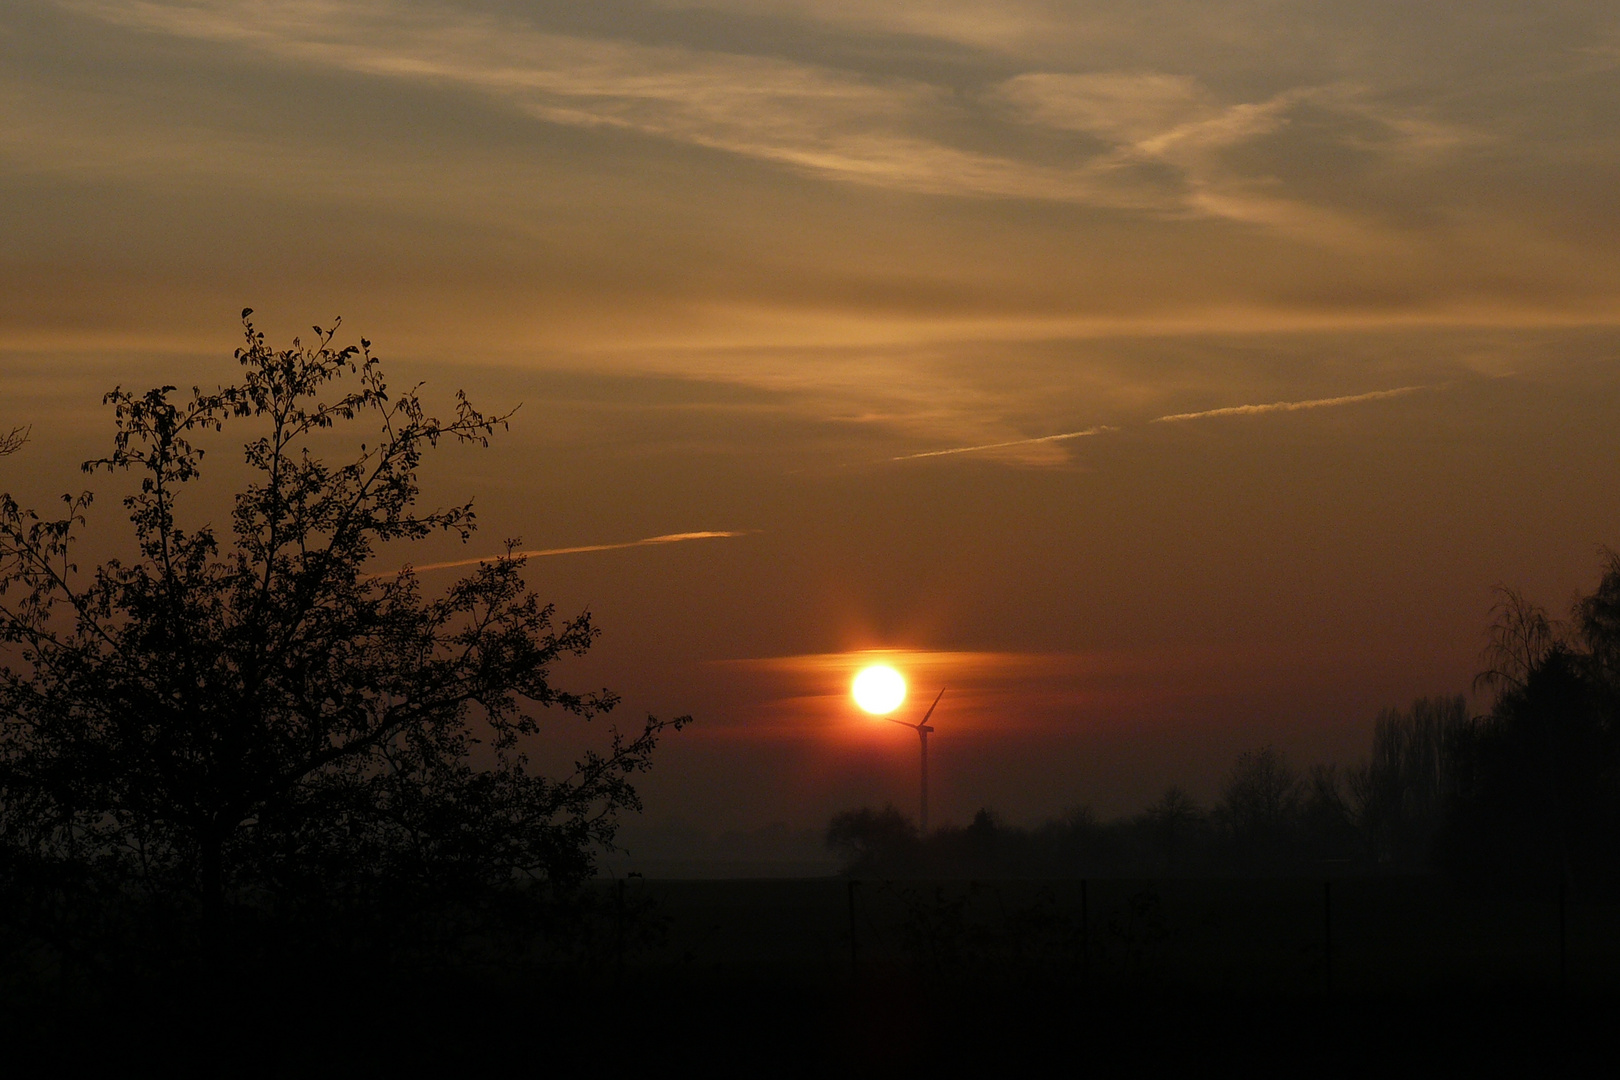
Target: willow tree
[(234, 723), (1536, 796)]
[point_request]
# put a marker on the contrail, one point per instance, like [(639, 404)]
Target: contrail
[(1230, 410), (1289, 406), (999, 445), (667, 538)]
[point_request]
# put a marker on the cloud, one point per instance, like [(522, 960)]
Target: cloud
[(1123, 107), (854, 127), (810, 693), (990, 691), (1290, 406), (651, 541), (1155, 120), (1157, 138), (1002, 25), (531, 187)]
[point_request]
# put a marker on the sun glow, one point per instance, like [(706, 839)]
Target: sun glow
[(879, 689)]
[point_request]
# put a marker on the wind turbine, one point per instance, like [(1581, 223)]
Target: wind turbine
[(922, 728)]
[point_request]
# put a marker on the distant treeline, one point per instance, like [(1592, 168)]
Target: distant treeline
[(1525, 794)]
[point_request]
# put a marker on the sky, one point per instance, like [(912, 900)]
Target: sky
[(1162, 379)]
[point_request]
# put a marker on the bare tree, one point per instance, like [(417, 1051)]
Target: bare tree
[(13, 440), (1518, 641), (1171, 822), (1259, 807)]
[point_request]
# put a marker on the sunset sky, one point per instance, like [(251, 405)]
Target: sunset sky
[(1163, 378)]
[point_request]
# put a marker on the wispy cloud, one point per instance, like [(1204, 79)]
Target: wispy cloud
[(1005, 445), (1000, 25), (1156, 140), (1290, 406), (844, 124), (1159, 121), (651, 541), (988, 691)]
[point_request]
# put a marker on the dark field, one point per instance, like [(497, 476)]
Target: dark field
[(1355, 936), (1386, 975), (1399, 976)]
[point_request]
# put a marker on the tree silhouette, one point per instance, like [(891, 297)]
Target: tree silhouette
[(1327, 828), (873, 840), (13, 440), (1519, 640), (233, 726), (1401, 793), (1538, 781), (1172, 823), (1597, 627), (1258, 808)]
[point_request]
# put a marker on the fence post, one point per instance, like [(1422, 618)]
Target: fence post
[(1327, 933), (1563, 937), (854, 951), (618, 930), (1085, 933)]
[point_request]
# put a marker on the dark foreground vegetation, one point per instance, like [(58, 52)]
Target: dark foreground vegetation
[(238, 758), (266, 812)]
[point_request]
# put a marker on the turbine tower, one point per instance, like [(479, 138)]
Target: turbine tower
[(922, 729)]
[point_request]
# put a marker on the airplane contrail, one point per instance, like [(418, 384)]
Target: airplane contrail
[(1013, 442), (1230, 410), (1289, 406), (667, 538)]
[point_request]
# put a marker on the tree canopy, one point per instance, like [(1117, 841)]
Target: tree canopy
[(253, 720)]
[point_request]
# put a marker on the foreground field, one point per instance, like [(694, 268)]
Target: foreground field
[(1355, 935), (823, 976)]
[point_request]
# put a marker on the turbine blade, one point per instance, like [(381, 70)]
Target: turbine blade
[(931, 708)]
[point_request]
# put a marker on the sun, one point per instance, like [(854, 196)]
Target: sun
[(880, 689)]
